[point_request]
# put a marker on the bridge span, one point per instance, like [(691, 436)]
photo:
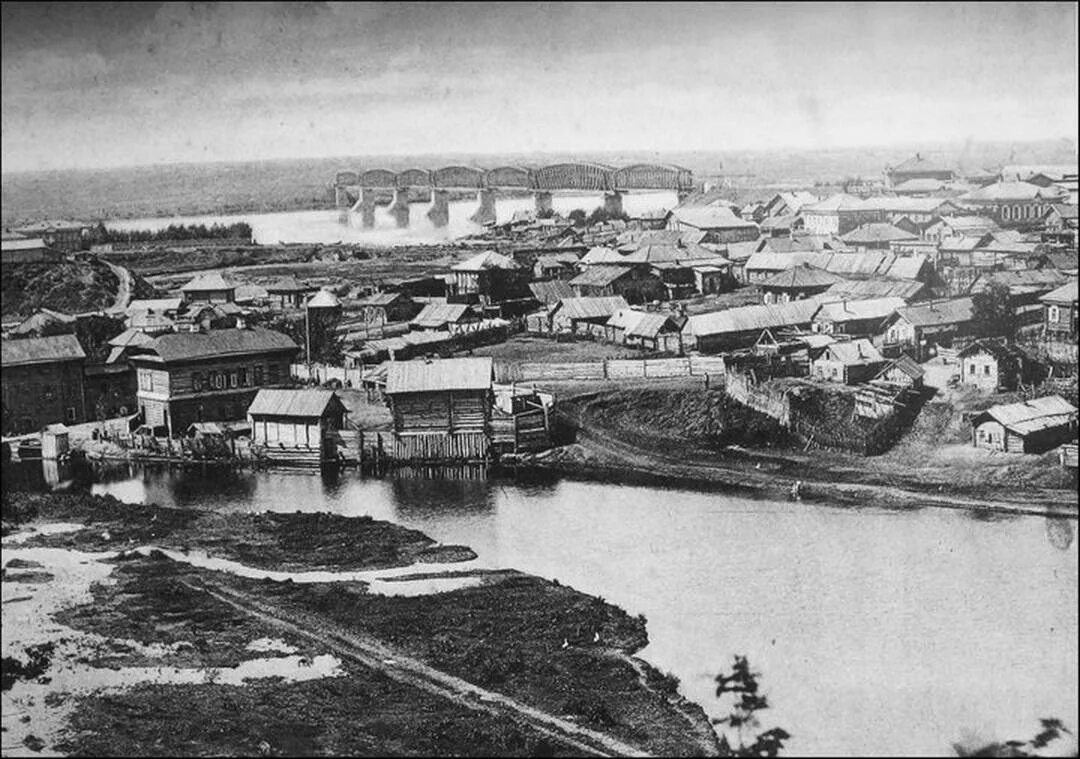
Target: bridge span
[(356, 190)]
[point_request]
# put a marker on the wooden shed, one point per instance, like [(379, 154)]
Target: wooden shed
[(1033, 426), (296, 426), (441, 408)]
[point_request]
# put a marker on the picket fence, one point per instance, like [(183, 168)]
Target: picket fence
[(612, 369)]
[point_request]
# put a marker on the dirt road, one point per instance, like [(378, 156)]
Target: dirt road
[(374, 654)]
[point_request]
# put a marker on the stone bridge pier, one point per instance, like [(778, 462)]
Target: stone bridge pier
[(399, 209), (613, 203), (439, 213), (485, 214), (365, 206), (343, 198), (543, 203)]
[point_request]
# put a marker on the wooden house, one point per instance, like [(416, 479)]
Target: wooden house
[(28, 251), (1060, 312), (380, 309), (561, 265), (797, 283), (645, 329), (848, 363), (585, 315), (740, 327), (209, 288), (918, 328), (487, 278), (187, 377), (551, 292), (637, 284), (442, 316), (991, 366), (902, 371), (288, 291), (856, 317), (441, 408), (1033, 426), (42, 382), (296, 425)]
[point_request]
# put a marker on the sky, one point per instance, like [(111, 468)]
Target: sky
[(93, 85)]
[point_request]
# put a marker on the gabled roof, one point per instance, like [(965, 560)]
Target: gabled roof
[(712, 217), (1009, 191), (599, 276), (851, 310), (301, 402), (997, 350), (907, 267), (188, 346), (750, 318), (1030, 416), (967, 223), (443, 374), (906, 364), (864, 264), (765, 261), (854, 352), (23, 244), (877, 232), (155, 305), (625, 318), (43, 318), (651, 324), (1065, 294), (938, 313), (40, 350), (212, 281), (601, 255), (323, 299), (799, 277), (438, 314), (591, 308), (858, 289), (1023, 280), (551, 292), (131, 338), (487, 260)]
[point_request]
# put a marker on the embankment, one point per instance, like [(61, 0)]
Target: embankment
[(692, 437)]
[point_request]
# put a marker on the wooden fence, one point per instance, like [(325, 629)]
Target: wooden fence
[(613, 369), (774, 404)]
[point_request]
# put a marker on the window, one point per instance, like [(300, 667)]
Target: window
[(219, 380), (71, 413), (196, 381), (146, 381), (1016, 212), (971, 369), (243, 377), (258, 372), (272, 373), (232, 379), (1053, 314)]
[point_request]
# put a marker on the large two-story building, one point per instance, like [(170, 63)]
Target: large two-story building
[(187, 377), (43, 382)]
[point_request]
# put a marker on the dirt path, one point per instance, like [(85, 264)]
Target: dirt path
[(374, 654), (605, 442)]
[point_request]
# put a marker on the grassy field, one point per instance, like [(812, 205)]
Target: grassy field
[(70, 287)]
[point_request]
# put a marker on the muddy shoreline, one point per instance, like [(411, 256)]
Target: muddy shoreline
[(490, 663)]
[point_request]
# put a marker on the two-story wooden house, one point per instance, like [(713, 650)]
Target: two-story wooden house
[(187, 377), (42, 383)]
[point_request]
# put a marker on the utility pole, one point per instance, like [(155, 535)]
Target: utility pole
[(307, 331)]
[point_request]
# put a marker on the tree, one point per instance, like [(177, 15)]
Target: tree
[(578, 216), (992, 312), (744, 685), (1053, 730)]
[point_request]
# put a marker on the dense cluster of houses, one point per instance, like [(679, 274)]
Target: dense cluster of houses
[(866, 285)]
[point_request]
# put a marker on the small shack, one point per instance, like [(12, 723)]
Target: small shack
[(54, 441), (902, 371), (521, 419), (209, 288), (441, 408), (1033, 426), (296, 426)]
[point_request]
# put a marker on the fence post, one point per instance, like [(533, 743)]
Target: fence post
[(604, 363)]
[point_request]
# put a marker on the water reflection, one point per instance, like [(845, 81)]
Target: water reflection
[(917, 623)]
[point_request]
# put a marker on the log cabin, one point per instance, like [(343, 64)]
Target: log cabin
[(441, 409), (1033, 426), (296, 425)]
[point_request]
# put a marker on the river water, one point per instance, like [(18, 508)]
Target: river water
[(333, 226), (877, 632)]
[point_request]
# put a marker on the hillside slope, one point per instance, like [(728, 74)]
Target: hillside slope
[(70, 287)]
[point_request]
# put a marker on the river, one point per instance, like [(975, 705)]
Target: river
[(877, 632), (333, 226)]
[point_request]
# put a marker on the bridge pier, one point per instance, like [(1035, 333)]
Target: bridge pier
[(342, 198), (365, 206), (543, 203), (613, 203), (485, 214), (439, 213), (399, 209)]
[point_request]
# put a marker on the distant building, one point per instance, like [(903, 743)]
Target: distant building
[(634, 283), (187, 377), (919, 167), (1033, 426), (1013, 204), (383, 308), (917, 329), (28, 251), (487, 278), (877, 236), (740, 327), (288, 291), (63, 235), (1060, 312), (43, 382), (585, 314), (797, 283), (856, 317), (443, 316), (720, 222), (209, 288), (902, 371)]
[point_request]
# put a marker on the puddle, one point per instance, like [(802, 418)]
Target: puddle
[(270, 644), (52, 528)]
